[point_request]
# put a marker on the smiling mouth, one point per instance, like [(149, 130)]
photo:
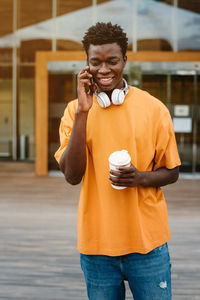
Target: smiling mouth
[(105, 81)]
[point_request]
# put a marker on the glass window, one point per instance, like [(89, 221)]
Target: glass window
[(153, 25), (156, 85), (116, 12), (64, 7), (26, 113), (34, 28), (32, 12), (6, 17), (62, 89), (148, 23), (188, 23), (192, 5), (28, 49), (182, 89), (75, 17), (5, 112), (102, 1), (6, 55), (62, 44)]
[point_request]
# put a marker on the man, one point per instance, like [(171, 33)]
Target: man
[(122, 234)]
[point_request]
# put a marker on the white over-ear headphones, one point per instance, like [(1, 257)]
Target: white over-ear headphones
[(117, 97)]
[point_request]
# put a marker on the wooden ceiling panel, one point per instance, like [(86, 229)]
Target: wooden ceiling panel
[(64, 7), (32, 12), (153, 45), (101, 1), (6, 17), (192, 5), (68, 45)]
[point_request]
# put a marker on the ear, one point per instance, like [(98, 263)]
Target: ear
[(125, 58)]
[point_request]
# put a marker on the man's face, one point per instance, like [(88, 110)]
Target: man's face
[(106, 65)]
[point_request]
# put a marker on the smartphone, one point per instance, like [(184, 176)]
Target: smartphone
[(91, 80), (91, 86)]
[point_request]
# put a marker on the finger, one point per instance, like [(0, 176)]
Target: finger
[(122, 173), (127, 169), (85, 82), (85, 75), (124, 184), (120, 180), (84, 69)]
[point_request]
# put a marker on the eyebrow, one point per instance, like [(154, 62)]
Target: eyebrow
[(113, 57), (109, 58)]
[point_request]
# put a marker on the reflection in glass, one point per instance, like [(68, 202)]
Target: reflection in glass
[(117, 12), (74, 18), (188, 28), (191, 5), (154, 25)]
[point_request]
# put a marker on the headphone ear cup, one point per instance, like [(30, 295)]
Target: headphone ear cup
[(117, 97), (103, 100)]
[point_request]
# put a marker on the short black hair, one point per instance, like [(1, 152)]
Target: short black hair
[(105, 33)]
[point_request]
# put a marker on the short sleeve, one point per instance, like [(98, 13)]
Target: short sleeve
[(166, 154), (65, 129)]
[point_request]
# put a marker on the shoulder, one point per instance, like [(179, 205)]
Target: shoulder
[(71, 108), (148, 102)]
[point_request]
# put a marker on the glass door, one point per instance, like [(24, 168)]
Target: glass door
[(182, 107), (62, 89), (180, 91)]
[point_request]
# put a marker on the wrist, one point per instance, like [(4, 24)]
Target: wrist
[(81, 113), (143, 179)]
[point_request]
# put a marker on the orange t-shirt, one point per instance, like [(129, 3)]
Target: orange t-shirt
[(117, 222)]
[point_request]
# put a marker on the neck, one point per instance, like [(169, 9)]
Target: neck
[(109, 93)]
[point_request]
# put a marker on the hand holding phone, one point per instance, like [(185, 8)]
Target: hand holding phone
[(85, 89)]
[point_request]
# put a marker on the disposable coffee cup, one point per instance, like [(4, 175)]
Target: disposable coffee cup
[(119, 159)]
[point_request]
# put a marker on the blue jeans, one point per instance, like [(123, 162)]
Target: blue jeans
[(148, 275)]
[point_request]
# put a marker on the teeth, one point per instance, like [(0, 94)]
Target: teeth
[(105, 79)]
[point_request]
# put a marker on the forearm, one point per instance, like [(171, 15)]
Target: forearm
[(160, 177), (73, 160), (131, 177)]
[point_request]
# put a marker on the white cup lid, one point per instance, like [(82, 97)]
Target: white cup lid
[(120, 158)]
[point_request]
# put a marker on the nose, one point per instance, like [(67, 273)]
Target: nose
[(104, 69)]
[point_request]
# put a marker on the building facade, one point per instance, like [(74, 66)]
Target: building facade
[(167, 29)]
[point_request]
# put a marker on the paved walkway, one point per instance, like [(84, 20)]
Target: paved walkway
[(38, 257)]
